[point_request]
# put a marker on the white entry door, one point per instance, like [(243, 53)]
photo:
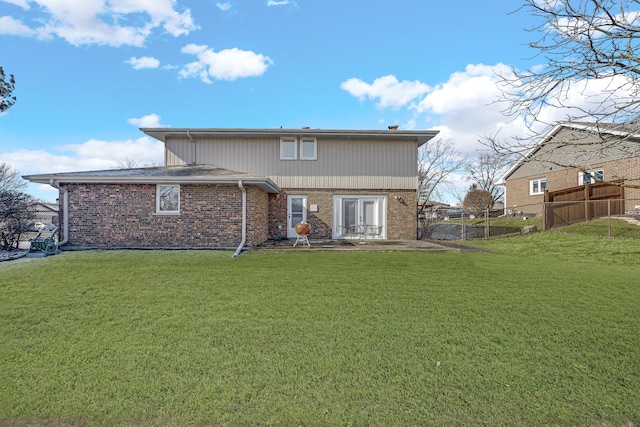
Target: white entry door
[(296, 212)]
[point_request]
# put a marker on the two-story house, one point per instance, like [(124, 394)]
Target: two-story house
[(228, 188), (572, 155)]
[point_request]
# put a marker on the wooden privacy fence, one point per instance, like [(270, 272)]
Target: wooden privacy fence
[(582, 203)]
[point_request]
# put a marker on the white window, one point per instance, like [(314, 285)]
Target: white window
[(591, 176), (167, 199), (288, 148), (537, 186), (308, 149)]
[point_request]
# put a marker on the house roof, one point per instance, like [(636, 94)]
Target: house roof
[(43, 206), (200, 174), (624, 130), (421, 137)]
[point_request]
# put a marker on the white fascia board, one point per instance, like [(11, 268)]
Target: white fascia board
[(264, 183)]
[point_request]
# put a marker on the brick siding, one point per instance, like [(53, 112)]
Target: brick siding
[(401, 216), (517, 189), (123, 215)]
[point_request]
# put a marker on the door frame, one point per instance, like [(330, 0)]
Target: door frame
[(339, 231), (291, 231)]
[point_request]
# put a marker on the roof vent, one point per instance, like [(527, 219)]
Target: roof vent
[(305, 127), (393, 127)]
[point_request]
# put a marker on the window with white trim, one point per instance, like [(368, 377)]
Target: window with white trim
[(288, 148), (591, 176), (308, 149), (537, 186), (167, 199)]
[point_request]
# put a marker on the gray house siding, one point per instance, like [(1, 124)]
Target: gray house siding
[(340, 163)]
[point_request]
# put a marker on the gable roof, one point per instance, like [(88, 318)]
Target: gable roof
[(623, 130), (421, 137), (200, 174)]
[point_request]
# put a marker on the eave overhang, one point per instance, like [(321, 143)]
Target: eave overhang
[(162, 134), (158, 175)]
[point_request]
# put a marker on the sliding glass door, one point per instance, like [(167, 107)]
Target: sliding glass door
[(359, 217)]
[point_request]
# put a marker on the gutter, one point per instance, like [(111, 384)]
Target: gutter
[(244, 220), (65, 212)]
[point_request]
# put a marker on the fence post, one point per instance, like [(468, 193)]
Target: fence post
[(609, 215), (587, 198), (487, 230), (464, 226)]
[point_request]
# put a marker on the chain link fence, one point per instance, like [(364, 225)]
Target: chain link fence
[(604, 218), (44, 220)]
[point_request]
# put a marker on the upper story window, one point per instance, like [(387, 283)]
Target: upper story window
[(537, 186), (167, 199), (288, 148), (591, 176), (308, 149)]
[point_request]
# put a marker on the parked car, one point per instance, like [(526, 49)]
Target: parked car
[(43, 226), (453, 213)]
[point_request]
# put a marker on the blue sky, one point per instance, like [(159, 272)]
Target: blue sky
[(89, 73)]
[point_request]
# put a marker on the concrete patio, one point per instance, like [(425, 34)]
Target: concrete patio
[(358, 245)]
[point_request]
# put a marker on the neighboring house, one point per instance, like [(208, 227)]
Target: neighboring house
[(230, 188), (46, 212), (570, 155)]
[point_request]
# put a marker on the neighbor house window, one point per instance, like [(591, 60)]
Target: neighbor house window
[(308, 149), (591, 176), (168, 199), (288, 148), (537, 186)]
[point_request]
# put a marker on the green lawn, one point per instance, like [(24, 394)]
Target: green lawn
[(538, 330)]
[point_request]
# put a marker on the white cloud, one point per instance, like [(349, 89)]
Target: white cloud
[(9, 25), (148, 121), (89, 155), (103, 154), (277, 3), (227, 64), (390, 92), (143, 62), (102, 22), (223, 6), (21, 3)]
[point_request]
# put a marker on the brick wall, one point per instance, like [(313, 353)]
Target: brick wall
[(401, 216), (123, 215), (518, 197)]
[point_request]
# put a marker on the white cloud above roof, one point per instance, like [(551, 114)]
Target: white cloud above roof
[(227, 64), (100, 22), (387, 90), (223, 6), (148, 121)]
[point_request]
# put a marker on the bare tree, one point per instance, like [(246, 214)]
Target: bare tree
[(438, 162), (590, 51), (485, 170), (10, 179), (16, 215), (7, 86), (133, 164)]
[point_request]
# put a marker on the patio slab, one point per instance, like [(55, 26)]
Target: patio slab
[(357, 245)]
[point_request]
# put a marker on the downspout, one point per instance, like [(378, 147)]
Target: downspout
[(65, 212), (194, 161), (244, 220)]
